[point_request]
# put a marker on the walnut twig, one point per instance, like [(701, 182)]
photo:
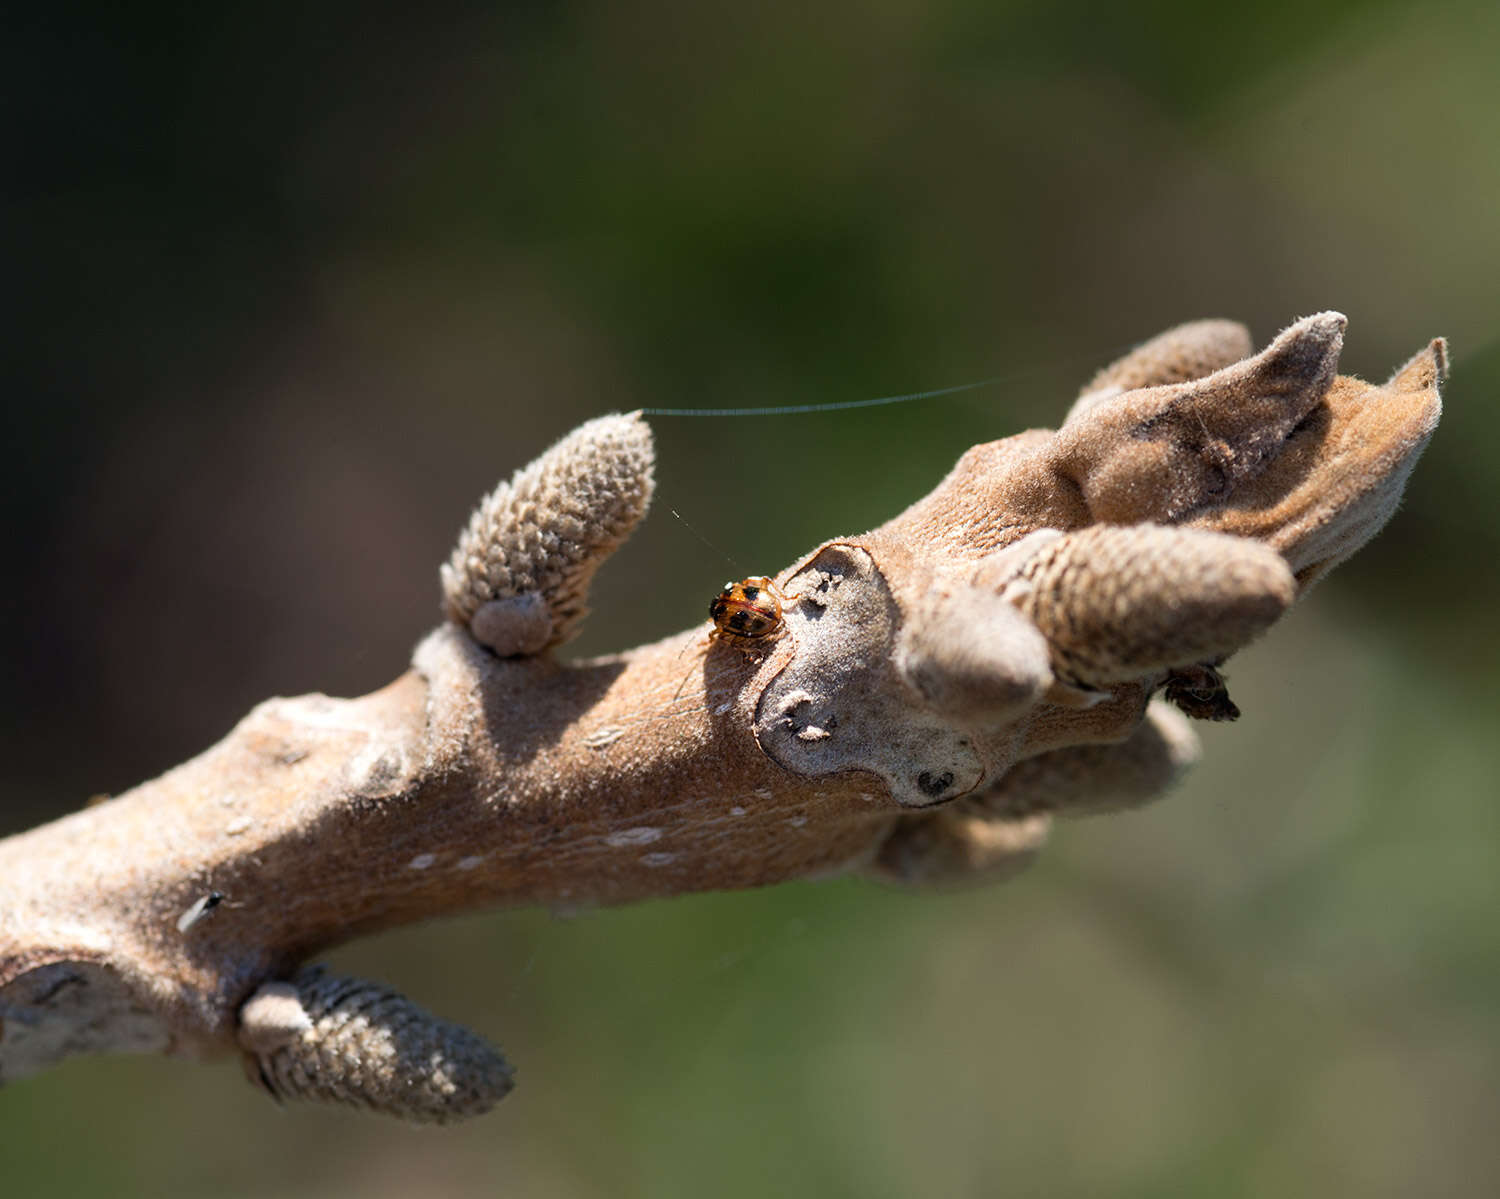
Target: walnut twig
[(932, 695)]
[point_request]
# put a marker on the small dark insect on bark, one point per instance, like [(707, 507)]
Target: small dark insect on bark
[(1200, 692), (205, 905)]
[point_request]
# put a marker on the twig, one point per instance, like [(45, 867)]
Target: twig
[(932, 693)]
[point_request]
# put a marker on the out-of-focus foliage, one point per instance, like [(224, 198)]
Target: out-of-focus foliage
[(291, 286)]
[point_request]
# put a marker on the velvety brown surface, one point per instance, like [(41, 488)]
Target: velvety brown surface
[(849, 742)]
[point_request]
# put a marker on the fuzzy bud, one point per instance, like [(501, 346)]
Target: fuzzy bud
[(1116, 604), (518, 579), (347, 1041)]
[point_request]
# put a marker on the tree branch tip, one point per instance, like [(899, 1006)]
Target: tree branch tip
[(1424, 370), (1306, 350)]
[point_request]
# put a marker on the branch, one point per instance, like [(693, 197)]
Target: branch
[(926, 699)]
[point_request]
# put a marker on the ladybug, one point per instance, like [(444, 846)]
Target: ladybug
[(748, 614)]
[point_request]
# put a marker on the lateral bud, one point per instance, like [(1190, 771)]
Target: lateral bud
[(364, 1045)]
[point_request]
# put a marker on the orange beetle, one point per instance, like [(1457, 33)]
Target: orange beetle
[(748, 614)]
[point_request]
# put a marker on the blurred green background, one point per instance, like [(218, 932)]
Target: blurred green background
[(289, 287)]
